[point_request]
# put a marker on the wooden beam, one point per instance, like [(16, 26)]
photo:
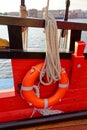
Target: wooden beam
[(67, 10), (19, 54), (15, 37), (75, 36), (32, 22), (22, 2)]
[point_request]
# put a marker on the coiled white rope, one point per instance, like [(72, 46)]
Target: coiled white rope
[(52, 66)]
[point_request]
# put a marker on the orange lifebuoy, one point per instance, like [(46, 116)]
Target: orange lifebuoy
[(29, 94)]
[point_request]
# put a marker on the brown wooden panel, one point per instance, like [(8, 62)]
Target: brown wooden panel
[(18, 54), (80, 124), (19, 21), (78, 127), (75, 36), (32, 22), (15, 37)]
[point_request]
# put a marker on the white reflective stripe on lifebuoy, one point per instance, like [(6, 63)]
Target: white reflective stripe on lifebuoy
[(63, 85), (36, 68), (27, 88), (45, 103)]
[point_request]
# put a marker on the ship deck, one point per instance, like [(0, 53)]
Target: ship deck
[(80, 124)]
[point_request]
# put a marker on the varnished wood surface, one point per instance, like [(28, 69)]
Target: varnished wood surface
[(15, 33), (80, 124), (33, 22)]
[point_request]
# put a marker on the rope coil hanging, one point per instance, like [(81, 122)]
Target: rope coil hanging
[(52, 66)]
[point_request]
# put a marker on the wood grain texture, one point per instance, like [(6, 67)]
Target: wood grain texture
[(34, 22), (67, 125)]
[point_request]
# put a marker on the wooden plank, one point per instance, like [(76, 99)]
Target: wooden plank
[(19, 21), (75, 36), (32, 22), (80, 124), (15, 37), (19, 54)]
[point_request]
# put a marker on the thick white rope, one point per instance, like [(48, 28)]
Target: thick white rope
[(51, 65), (49, 111), (63, 41)]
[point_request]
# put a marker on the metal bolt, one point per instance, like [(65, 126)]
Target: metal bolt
[(60, 100), (79, 66)]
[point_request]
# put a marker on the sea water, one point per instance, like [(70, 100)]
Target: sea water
[(36, 38)]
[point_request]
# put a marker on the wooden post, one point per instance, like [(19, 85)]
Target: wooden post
[(75, 36), (15, 37), (66, 15), (67, 10), (22, 2), (77, 73)]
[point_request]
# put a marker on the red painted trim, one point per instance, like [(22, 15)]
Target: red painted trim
[(7, 93)]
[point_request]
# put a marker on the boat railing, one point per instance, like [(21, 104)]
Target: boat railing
[(15, 25)]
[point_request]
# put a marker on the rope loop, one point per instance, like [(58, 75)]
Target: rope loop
[(52, 66)]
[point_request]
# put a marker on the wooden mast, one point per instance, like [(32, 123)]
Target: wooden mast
[(22, 2), (67, 10), (66, 14), (23, 14)]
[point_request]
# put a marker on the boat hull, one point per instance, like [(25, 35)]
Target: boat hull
[(75, 98)]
